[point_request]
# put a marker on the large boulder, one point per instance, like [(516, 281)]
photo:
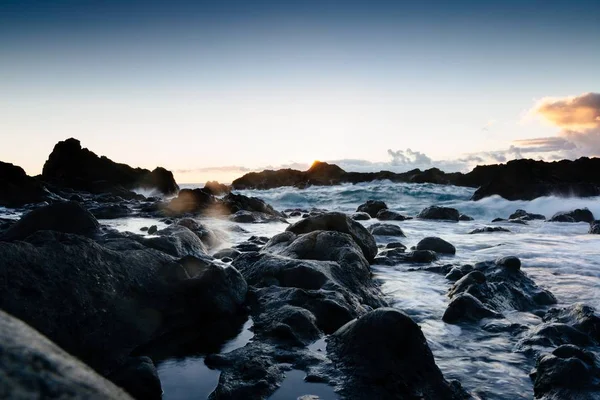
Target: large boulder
[(440, 213), (339, 222), (17, 189), (99, 304), (67, 217), (578, 215), (372, 207), (233, 203), (71, 166), (436, 244), (32, 367), (380, 229), (388, 215), (216, 188), (384, 355)]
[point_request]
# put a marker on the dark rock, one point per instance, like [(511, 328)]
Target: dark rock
[(67, 217), (216, 189), (511, 263), (454, 274), (372, 207), (380, 229), (361, 216), (439, 213), (177, 241), (465, 307), (524, 215), (112, 211), (388, 215), (578, 215), (499, 220), (254, 217), (398, 256), (71, 166), (553, 334), (17, 189), (237, 202), (578, 315), (395, 245), (339, 222), (464, 217), (230, 253), (193, 201), (488, 229), (385, 346), (152, 230), (100, 304), (144, 229), (208, 236), (436, 244), (595, 228), (32, 367), (138, 376)]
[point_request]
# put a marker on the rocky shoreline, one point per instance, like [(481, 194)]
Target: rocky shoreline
[(86, 310)]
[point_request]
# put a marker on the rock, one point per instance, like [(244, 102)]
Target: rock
[(237, 202), (398, 256), (567, 373), (464, 217), (216, 189), (66, 217), (254, 217), (387, 347), (436, 244), (152, 230), (578, 315), (227, 253), (465, 307), (578, 215), (454, 274), (71, 166), (488, 229), (32, 367), (511, 263), (439, 213), (175, 240), (388, 215), (595, 228), (112, 211), (524, 215), (100, 304), (339, 222), (395, 245), (379, 229), (138, 376), (208, 236), (360, 216), (193, 201), (512, 221), (372, 207), (17, 188)]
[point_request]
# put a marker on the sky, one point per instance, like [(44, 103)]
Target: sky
[(214, 89)]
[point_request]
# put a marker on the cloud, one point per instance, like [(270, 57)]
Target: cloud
[(227, 168), (409, 158)]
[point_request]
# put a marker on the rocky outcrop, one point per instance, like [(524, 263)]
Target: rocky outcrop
[(17, 188), (216, 189), (338, 222), (578, 215), (440, 213), (71, 166), (372, 207), (32, 367)]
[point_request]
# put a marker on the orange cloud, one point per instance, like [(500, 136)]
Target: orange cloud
[(574, 113)]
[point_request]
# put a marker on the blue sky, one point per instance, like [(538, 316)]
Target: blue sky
[(213, 89)]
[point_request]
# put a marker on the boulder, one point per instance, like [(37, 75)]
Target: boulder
[(380, 229), (436, 244), (488, 229), (112, 211), (227, 253), (372, 207), (99, 304), (233, 203), (71, 166), (524, 215), (578, 215), (139, 378), (439, 213), (465, 307), (32, 367), (193, 201), (207, 235), (398, 256), (595, 228), (254, 217), (387, 347), (216, 188), (338, 222), (464, 217), (17, 188), (175, 240), (388, 215), (66, 217), (360, 216)]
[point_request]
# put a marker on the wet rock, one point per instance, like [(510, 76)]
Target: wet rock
[(388, 215), (595, 228), (439, 213), (208, 236), (578, 215), (139, 378), (17, 188), (112, 211), (193, 201), (511, 221), (578, 315), (464, 217), (32, 367), (511, 263), (465, 307), (524, 215), (237, 202), (227, 253), (67, 217), (436, 244), (69, 165), (395, 245), (398, 256), (144, 229), (567, 373), (380, 229), (372, 207), (361, 216), (216, 189), (338, 222), (387, 347), (152, 229), (175, 240), (99, 304), (489, 229), (254, 217), (454, 274)]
